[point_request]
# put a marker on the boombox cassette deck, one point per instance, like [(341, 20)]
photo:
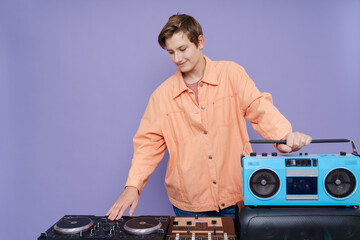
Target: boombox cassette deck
[(301, 180)]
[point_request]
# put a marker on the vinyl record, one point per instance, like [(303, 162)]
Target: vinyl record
[(264, 183), (142, 225), (72, 225), (340, 183)]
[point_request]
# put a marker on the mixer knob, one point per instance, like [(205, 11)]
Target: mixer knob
[(300, 154), (213, 222), (106, 227), (264, 154), (176, 223), (306, 154), (188, 223)]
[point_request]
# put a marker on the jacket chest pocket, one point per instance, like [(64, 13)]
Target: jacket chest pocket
[(223, 111), (183, 125)]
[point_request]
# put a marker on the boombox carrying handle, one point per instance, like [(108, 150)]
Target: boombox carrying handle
[(355, 152), (313, 141)]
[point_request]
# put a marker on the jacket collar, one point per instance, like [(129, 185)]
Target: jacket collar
[(179, 83)]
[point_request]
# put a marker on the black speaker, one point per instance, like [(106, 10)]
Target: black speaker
[(308, 223)]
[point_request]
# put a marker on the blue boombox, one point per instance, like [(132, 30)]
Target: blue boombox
[(301, 180)]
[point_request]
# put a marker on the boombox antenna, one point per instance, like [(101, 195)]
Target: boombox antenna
[(355, 152)]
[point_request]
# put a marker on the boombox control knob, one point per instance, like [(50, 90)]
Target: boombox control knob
[(264, 154), (274, 154), (342, 153), (253, 154)]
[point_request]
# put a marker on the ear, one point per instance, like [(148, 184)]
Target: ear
[(201, 42)]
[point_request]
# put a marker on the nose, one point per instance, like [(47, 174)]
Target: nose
[(177, 57)]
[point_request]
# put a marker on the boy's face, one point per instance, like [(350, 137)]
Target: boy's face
[(184, 53)]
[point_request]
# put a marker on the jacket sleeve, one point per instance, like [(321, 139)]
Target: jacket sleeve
[(259, 110), (149, 146)]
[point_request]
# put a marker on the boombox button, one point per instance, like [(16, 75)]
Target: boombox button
[(253, 154), (342, 153), (274, 154), (264, 154)]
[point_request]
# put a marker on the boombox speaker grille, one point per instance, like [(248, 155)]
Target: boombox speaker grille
[(264, 183), (340, 183)]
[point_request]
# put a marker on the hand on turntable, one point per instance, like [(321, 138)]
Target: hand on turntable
[(129, 198), (294, 142)]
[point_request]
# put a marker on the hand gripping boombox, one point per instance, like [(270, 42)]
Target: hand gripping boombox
[(301, 180)]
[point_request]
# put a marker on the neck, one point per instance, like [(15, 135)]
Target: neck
[(197, 73)]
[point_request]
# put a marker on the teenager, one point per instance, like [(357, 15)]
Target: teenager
[(199, 114)]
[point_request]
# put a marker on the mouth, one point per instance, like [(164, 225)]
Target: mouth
[(181, 64)]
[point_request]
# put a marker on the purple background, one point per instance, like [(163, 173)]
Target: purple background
[(75, 78)]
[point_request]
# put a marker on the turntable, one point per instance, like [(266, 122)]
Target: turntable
[(100, 228)]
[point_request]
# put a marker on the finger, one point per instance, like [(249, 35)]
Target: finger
[(132, 208), (308, 140), (121, 212), (115, 211), (290, 140), (108, 213), (284, 148), (296, 141)]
